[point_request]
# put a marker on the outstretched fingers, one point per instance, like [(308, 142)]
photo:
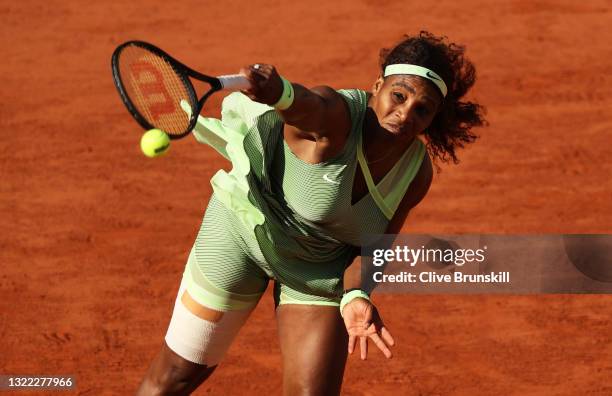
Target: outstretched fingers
[(351, 343), (363, 323), (381, 338), (381, 345), (386, 336), (363, 345)]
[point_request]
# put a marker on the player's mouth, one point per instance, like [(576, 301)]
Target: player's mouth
[(394, 128)]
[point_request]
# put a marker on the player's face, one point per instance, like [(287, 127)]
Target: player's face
[(405, 105)]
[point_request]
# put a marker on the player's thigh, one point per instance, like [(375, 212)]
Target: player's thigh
[(313, 343), (220, 287), (204, 323)]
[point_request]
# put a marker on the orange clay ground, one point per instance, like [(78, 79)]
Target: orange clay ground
[(94, 235)]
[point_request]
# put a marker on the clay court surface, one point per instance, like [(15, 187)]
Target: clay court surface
[(94, 235)]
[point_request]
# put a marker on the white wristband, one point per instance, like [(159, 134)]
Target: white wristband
[(350, 296), (286, 99)]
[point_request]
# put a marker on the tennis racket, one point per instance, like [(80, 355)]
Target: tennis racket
[(152, 85)]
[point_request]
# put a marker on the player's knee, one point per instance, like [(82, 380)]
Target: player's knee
[(155, 386), (311, 388), (174, 379), (311, 382)]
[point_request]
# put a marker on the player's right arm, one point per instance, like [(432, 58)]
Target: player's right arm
[(316, 114)]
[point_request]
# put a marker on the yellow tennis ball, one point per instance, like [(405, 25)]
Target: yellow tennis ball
[(154, 143)]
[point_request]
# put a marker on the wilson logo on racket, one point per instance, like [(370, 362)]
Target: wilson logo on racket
[(149, 82)]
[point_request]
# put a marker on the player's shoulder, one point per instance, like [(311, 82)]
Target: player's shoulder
[(349, 96), (353, 102), (358, 96)]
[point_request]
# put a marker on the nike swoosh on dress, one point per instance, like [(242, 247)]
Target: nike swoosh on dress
[(327, 179)]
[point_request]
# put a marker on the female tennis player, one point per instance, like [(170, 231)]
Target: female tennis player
[(314, 170)]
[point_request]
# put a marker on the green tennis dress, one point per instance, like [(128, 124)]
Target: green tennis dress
[(274, 216)]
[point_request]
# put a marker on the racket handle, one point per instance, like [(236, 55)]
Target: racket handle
[(234, 82)]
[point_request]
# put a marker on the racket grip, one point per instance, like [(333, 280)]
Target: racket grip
[(234, 82)]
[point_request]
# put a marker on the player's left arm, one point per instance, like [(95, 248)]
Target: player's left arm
[(361, 317)]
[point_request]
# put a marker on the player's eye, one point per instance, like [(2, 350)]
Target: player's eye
[(399, 97)]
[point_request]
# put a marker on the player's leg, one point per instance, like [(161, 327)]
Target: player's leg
[(170, 374), (197, 339), (221, 286), (313, 343)]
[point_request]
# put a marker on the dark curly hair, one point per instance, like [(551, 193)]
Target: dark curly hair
[(452, 125)]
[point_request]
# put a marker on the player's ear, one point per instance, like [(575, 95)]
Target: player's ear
[(377, 85)]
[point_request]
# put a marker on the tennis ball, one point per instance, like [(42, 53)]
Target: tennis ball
[(154, 143)]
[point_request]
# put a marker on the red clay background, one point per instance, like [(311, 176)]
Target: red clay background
[(94, 235)]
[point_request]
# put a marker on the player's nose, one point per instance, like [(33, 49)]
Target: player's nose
[(404, 115)]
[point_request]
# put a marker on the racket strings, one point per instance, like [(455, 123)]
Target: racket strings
[(155, 89)]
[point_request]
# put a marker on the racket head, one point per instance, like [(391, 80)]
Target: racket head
[(155, 87)]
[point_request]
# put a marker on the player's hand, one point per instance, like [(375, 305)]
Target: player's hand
[(266, 84), (362, 323)]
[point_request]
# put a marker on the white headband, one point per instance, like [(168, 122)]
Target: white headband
[(403, 68)]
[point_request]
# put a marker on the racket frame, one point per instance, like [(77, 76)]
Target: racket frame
[(182, 71)]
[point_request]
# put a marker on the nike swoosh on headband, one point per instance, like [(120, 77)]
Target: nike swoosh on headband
[(430, 75)]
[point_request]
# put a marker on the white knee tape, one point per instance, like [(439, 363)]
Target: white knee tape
[(202, 341)]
